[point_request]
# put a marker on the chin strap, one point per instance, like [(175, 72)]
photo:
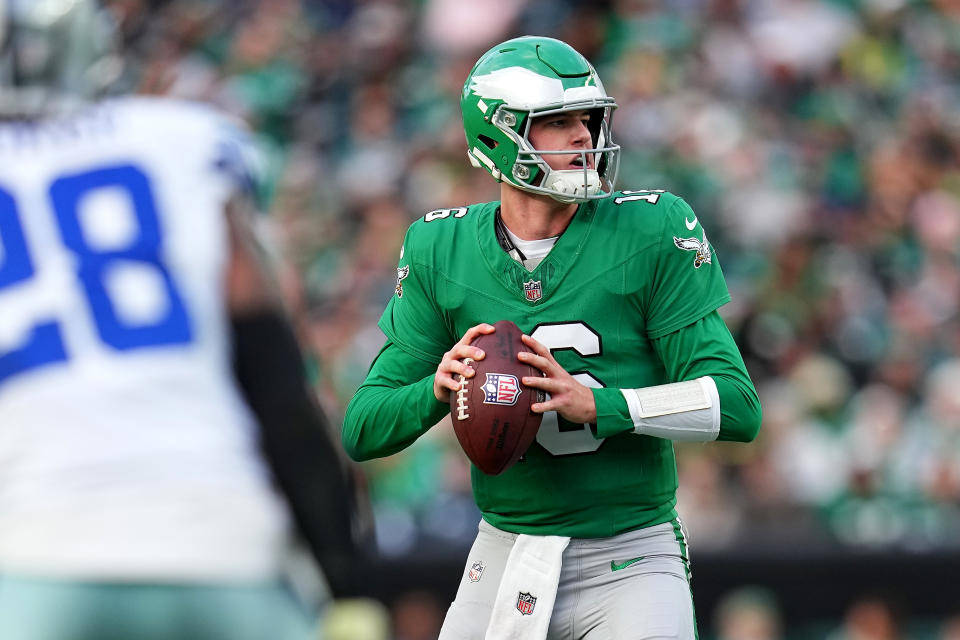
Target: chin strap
[(573, 184), (683, 411)]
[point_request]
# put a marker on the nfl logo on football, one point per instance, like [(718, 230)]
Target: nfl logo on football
[(476, 571), (526, 603), (501, 388), (532, 290)]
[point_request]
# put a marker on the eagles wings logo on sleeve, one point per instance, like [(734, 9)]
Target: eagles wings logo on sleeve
[(701, 247), (403, 272)]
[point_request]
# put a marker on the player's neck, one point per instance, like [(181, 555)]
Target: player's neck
[(533, 216)]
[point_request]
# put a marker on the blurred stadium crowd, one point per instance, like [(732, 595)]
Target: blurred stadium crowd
[(816, 139)]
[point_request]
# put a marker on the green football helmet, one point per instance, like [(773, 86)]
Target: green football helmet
[(526, 78), (54, 55)]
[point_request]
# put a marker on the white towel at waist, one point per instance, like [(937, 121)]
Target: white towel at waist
[(528, 589)]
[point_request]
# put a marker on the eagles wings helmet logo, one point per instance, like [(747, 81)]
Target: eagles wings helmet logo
[(702, 248)]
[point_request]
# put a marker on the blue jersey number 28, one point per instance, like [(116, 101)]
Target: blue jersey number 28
[(44, 342)]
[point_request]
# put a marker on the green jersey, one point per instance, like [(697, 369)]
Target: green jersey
[(628, 271)]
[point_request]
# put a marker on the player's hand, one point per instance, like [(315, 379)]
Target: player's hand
[(568, 397), (451, 367)]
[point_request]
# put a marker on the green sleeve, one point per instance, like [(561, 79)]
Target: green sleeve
[(687, 281), (412, 320), (393, 407), (704, 348)]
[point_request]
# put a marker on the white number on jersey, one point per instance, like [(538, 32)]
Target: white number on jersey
[(649, 195), (440, 214), (567, 439)]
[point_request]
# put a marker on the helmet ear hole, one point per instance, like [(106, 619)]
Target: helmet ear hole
[(488, 141), (595, 124)]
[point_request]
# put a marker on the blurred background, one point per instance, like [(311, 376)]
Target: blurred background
[(818, 142)]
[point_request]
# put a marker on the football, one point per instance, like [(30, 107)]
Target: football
[(491, 412)]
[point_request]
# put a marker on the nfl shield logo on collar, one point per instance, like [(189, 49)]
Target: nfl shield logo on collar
[(476, 571), (532, 290), (526, 603)]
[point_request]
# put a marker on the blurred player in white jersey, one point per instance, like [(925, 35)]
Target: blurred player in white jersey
[(145, 364)]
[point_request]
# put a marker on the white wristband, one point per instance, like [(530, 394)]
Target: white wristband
[(683, 411)]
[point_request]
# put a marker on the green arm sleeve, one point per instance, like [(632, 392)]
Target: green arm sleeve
[(704, 348), (393, 407)]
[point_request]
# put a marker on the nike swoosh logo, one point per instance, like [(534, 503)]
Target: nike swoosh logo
[(616, 567), (690, 225)]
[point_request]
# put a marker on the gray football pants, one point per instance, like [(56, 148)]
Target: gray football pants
[(634, 586)]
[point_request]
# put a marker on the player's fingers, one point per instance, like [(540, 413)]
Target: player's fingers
[(539, 382), (457, 366), (547, 365), (537, 347), (547, 405), (464, 351), (475, 331), (449, 376), (453, 384), (441, 388)]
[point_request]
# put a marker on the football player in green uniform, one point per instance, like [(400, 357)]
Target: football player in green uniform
[(617, 293)]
